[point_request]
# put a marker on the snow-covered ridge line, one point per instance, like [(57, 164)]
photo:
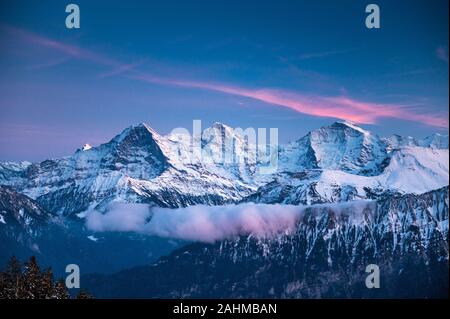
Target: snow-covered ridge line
[(336, 163)]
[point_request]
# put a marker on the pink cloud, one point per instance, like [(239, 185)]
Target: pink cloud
[(70, 50), (340, 107), (343, 108), (121, 69)]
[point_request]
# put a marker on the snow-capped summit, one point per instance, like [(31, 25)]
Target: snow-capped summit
[(218, 134), (222, 138), (349, 125), (221, 126), (136, 134), (86, 147), (137, 148), (349, 148), (341, 146)]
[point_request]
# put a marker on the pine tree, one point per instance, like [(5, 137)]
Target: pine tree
[(13, 275), (84, 295), (5, 284), (60, 290), (32, 279), (46, 289), (29, 282)]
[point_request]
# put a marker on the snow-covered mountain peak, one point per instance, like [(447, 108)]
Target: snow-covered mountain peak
[(220, 131), (138, 133), (219, 137), (397, 141), (136, 151), (86, 147), (347, 125), (144, 125), (344, 146), (221, 126), (435, 141), (341, 133)]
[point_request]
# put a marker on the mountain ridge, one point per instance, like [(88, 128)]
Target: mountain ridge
[(334, 164), (139, 165), (324, 257)]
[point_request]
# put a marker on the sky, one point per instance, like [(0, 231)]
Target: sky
[(293, 65)]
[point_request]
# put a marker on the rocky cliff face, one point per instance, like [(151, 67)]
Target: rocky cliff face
[(27, 229), (21, 217), (325, 256)]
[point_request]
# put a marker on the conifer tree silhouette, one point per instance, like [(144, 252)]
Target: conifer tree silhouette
[(30, 282)]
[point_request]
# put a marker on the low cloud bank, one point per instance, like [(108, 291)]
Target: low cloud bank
[(209, 223)]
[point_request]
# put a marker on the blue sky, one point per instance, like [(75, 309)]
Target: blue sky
[(295, 65)]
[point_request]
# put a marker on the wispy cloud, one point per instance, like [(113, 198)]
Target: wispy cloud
[(315, 55), (409, 73), (49, 64), (442, 54), (121, 69), (340, 107), (70, 50)]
